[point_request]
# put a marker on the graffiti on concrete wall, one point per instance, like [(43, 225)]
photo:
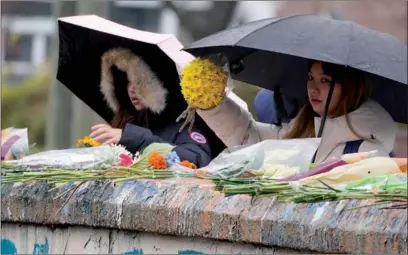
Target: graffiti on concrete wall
[(135, 251), (8, 247), (32, 239), (140, 251), (190, 252), (40, 248)]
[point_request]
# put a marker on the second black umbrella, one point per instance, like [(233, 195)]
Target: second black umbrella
[(274, 52)]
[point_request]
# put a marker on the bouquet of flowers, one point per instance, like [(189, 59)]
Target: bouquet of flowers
[(92, 162), (203, 86), (359, 177), (111, 162)]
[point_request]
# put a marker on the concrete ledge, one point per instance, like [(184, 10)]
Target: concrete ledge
[(191, 208)]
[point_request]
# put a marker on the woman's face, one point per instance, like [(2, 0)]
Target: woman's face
[(318, 86), (134, 99)]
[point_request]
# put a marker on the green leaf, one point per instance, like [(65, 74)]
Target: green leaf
[(161, 148)]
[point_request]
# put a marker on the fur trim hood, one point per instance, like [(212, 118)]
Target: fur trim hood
[(148, 87)]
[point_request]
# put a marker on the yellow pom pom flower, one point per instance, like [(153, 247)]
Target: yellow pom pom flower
[(203, 83), (203, 86)]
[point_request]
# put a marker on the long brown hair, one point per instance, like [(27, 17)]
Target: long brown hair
[(122, 117), (354, 93)]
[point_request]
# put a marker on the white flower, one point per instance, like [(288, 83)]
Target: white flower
[(119, 149), (137, 157)]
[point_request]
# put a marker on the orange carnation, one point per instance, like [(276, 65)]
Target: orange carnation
[(157, 161), (188, 164)]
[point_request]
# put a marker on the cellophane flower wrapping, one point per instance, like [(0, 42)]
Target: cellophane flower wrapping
[(291, 155), (329, 165), (14, 143), (391, 183), (101, 157)]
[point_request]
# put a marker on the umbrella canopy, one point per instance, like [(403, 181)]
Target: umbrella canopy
[(274, 52), (83, 41)]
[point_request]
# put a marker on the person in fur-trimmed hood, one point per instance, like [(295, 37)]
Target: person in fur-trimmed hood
[(145, 111)]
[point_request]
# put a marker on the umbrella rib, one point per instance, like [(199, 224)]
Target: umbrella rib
[(259, 28), (266, 25), (350, 39)]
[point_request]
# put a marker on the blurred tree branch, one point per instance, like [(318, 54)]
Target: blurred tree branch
[(203, 23)]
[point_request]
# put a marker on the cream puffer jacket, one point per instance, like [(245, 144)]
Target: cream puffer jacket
[(235, 126)]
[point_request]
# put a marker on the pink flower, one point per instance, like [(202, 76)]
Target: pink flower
[(125, 160)]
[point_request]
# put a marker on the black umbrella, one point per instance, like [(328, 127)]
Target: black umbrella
[(84, 39), (274, 52)]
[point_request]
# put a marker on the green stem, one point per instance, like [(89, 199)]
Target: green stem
[(131, 178)]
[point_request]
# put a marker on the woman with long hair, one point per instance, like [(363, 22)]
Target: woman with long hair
[(145, 111), (354, 123)]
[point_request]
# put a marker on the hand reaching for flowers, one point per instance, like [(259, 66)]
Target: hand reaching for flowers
[(105, 134)]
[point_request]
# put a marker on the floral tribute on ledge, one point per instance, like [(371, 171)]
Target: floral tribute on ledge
[(109, 162)]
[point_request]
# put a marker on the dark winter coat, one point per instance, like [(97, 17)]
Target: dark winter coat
[(164, 103)]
